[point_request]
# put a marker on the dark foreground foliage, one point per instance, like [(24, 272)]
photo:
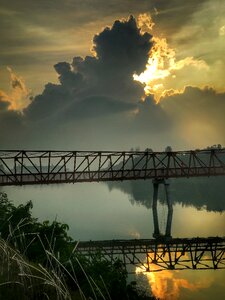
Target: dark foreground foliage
[(39, 261)]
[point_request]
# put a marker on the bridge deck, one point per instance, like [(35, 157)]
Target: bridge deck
[(48, 167)]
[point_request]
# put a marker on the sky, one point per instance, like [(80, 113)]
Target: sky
[(115, 75), (112, 75)]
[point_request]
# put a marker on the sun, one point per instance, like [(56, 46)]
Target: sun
[(160, 63), (162, 66)]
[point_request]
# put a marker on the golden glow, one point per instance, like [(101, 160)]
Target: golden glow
[(165, 285), (197, 130), (161, 59), (162, 64), (171, 92), (222, 30), (145, 22), (168, 284), (19, 95)]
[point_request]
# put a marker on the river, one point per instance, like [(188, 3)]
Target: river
[(99, 211)]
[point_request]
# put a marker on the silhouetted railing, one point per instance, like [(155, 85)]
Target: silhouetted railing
[(47, 167)]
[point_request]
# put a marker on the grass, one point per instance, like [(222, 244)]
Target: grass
[(22, 279), (40, 261)]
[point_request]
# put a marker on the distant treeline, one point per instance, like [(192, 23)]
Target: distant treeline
[(208, 193)]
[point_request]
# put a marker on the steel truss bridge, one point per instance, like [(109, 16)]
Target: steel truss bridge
[(157, 255), (48, 167)]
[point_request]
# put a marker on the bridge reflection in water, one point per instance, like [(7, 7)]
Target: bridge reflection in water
[(160, 254), (163, 252)]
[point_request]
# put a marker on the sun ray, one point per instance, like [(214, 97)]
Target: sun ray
[(162, 64)]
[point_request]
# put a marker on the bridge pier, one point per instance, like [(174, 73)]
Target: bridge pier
[(156, 183), (154, 208)]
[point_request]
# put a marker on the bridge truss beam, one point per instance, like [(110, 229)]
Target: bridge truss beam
[(47, 167), (157, 255)]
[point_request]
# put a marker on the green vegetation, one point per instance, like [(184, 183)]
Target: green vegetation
[(39, 261)]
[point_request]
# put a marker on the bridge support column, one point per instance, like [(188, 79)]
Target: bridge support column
[(156, 183), (154, 208), (170, 209)]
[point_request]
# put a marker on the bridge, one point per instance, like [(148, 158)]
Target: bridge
[(54, 167), (160, 254), (164, 252)]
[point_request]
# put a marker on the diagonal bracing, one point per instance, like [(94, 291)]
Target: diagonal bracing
[(157, 255), (48, 167)]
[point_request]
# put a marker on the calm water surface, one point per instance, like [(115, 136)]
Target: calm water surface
[(95, 213)]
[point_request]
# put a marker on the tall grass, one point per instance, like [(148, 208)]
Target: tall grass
[(40, 261), (21, 279)]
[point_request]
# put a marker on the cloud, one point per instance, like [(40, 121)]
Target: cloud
[(196, 38), (97, 100), (165, 72), (170, 67), (99, 86), (95, 107), (4, 104), (123, 47), (19, 95), (36, 35), (198, 114), (10, 123), (119, 51)]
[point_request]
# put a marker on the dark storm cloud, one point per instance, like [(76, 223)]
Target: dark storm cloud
[(3, 104), (97, 101), (103, 83), (151, 116), (122, 47), (10, 123), (95, 107), (96, 87)]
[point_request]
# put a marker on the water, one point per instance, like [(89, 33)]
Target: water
[(98, 211)]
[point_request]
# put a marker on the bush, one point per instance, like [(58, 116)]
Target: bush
[(38, 261)]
